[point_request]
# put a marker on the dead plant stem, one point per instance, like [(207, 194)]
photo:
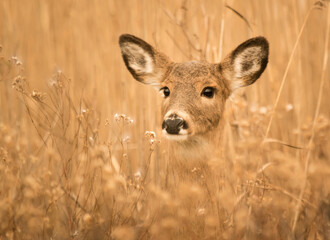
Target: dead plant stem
[(317, 111)]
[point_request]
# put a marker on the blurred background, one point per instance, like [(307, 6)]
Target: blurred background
[(79, 39)]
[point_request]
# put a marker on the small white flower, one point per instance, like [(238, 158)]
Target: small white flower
[(150, 134), (253, 108), (288, 107), (137, 174), (126, 139), (200, 211), (263, 110), (116, 117), (130, 121)]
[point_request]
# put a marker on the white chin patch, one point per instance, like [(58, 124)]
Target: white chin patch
[(175, 137)]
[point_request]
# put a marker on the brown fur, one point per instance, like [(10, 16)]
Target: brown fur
[(186, 81)]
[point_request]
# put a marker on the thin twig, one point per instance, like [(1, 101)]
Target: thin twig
[(287, 70), (222, 28), (272, 140), (183, 27), (240, 16), (317, 110)]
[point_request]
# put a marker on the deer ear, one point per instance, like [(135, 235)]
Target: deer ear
[(246, 63), (146, 64)]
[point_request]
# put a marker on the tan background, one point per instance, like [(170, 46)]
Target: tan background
[(80, 39)]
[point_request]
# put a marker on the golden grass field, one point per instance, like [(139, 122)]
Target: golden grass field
[(75, 159)]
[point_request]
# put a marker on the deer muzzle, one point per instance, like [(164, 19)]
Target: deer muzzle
[(175, 125)]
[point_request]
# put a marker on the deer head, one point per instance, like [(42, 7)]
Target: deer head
[(194, 92)]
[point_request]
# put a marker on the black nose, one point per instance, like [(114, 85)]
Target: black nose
[(174, 124)]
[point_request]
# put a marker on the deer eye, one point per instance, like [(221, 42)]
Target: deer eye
[(208, 92), (166, 91)]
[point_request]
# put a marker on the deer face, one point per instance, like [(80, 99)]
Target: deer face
[(194, 92)]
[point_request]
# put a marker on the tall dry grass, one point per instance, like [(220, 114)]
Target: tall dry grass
[(81, 155)]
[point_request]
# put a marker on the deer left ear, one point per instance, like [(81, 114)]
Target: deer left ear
[(145, 63), (246, 63)]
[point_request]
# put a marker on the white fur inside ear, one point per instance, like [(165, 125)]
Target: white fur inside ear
[(138, 59), (246, 63)]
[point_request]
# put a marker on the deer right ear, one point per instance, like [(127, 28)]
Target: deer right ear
[(146, 64), (246, 63)]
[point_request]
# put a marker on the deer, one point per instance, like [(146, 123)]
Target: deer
[(195, 92)]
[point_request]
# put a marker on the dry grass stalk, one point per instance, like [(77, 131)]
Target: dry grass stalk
[(70, 170)]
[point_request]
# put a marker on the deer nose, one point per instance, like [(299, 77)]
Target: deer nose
[(173, 124)]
